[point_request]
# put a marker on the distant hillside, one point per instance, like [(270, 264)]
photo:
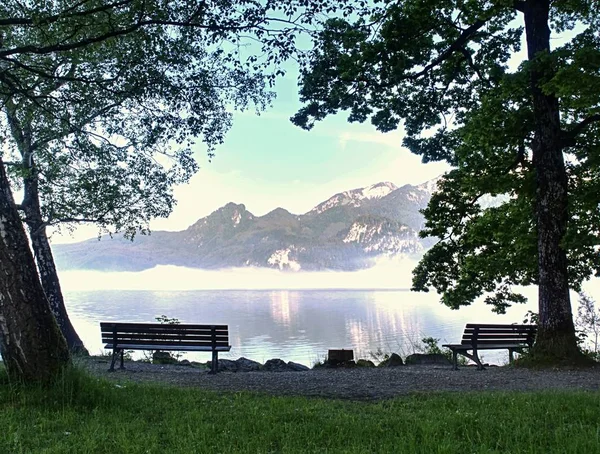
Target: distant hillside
[(345, 232)]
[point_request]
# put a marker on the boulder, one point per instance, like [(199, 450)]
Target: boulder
[(247, 365), (276, 365), (185, 362), (226, 365), (427, 359), (159, 357), (297, 367), (393, 361), (365, 363)]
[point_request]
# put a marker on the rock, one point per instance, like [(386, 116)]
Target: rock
[(247, 365), (393, 361), (185, 362), (226, 365), (297, 367), (275, 365), (159, 357), (430, 359), (365, 363)]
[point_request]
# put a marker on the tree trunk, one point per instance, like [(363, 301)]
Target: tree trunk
[(556, 336), (31, 343), (45, 262), (22, 135)]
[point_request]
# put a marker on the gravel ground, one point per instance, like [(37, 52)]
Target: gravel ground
[(355, 383)]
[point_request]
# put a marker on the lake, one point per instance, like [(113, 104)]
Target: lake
[(293, 316), (295, 325)]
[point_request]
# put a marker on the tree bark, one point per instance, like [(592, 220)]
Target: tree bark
[(45, 261), (31, 344), (22, 136), (556, 335)]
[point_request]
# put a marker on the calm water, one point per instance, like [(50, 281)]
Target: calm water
[(294, 325)]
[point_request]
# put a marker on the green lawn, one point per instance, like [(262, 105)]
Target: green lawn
[(83, 414)]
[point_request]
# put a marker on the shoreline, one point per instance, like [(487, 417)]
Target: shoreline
[(358, 383)]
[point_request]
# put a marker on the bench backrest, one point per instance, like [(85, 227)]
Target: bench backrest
[(483, 334), (157, 334)]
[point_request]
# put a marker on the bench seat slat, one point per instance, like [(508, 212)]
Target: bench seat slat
[(155, 343), (469, 339), (498, 331), (485, 346), (508, 333), (497, 336), (168, 338), (154, 331), (200, 330), (106, 326), (191, 348), (496, 326)]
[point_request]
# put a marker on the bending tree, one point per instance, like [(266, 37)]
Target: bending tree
[(445, 69), (94, 49), (108, 159)]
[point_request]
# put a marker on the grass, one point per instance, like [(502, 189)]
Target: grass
[(81, 414)]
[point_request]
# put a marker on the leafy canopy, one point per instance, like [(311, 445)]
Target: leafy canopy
[(447, 72), (107, 98)]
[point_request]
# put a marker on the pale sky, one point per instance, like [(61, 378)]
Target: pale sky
[(266, 162)]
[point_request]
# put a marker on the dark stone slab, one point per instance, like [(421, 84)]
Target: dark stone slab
[(425, 359)]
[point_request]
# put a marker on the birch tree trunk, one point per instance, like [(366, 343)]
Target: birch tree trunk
[(31, 344), (22, 135), (45, 263)]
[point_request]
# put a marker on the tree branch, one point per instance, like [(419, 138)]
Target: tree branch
[(455, 46), (13, 21), (122, 32), (519, 5), (572, 134)]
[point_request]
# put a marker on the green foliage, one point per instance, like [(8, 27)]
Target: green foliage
[(531, 318), (167, 320), (442, 71), (90, 415), (174, 357), (105, 102), (105, 107), (588, 324), (379, 356), (431, 346)]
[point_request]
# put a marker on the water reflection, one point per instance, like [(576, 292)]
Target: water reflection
[(299, 325)]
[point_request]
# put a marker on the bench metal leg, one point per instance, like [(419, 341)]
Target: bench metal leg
[(472, 356), (116, 352), (113, 359), (477, 360), (214, 365)]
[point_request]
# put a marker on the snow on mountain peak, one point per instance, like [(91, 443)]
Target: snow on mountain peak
[(430, 186), (377, 191), (355, 197)]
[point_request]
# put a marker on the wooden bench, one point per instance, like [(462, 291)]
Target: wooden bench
[(156, 336), (514, 338)]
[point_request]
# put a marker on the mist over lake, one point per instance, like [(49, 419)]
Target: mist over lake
[(292, 316)]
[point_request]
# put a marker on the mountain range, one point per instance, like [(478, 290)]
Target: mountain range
[(348, 231)]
